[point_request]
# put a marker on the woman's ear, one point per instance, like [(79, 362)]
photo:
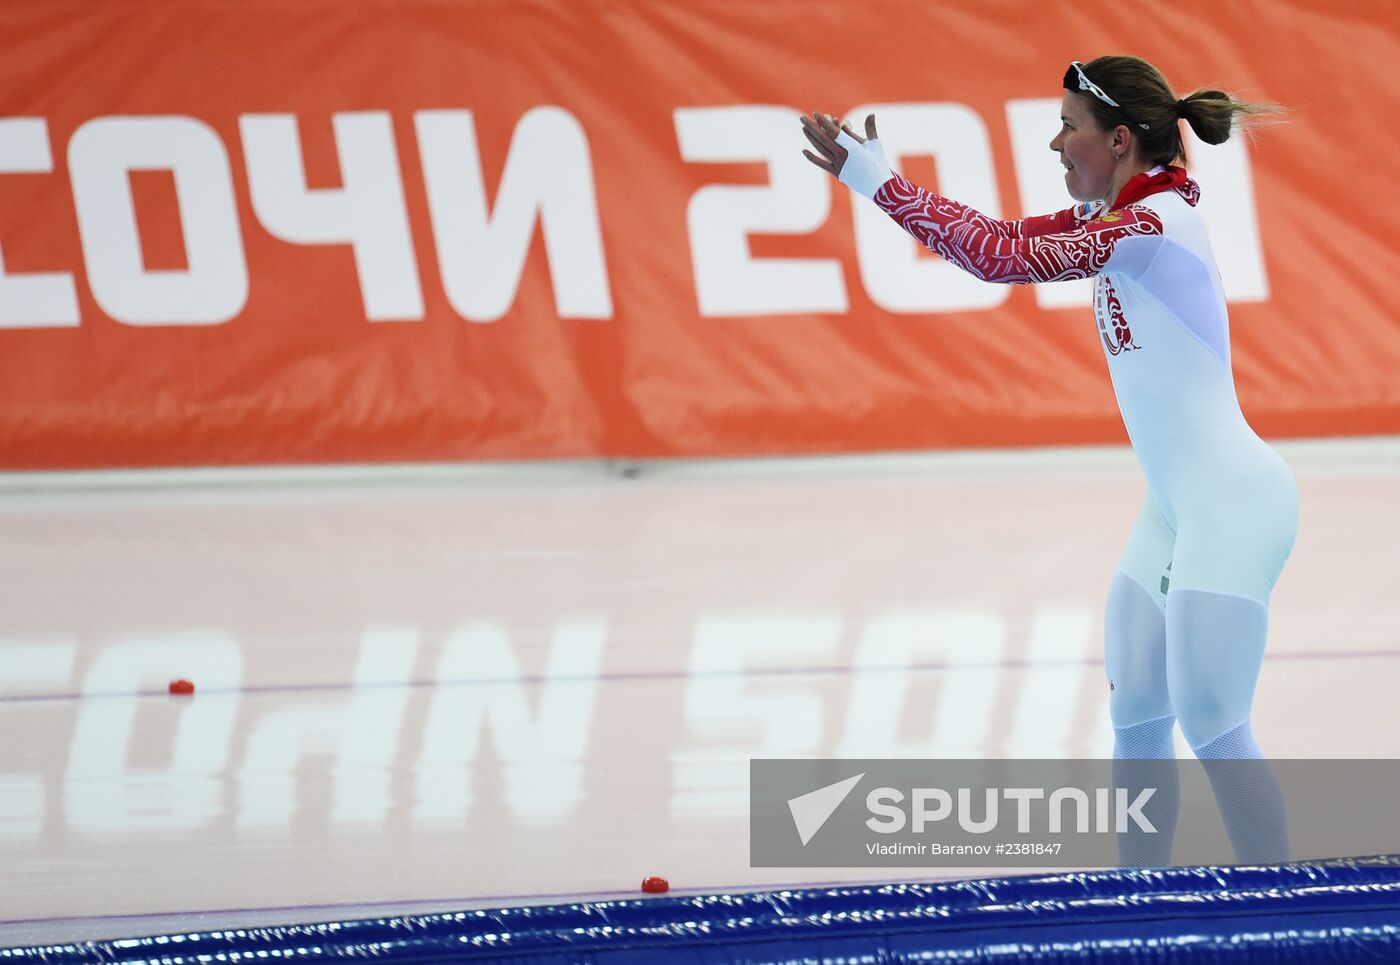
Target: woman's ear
[(1122, 142)]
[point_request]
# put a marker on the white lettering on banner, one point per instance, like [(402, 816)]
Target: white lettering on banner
[(751, 718), (1226, 206), (482, 253), (23, 797), (542, 758), (967, 647), (362, 733), (32, 299), (103, 793), (797, 200), (548, 180), (214, 288), (367, 212), (895, 275)]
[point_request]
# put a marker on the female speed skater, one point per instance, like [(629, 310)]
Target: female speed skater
[(1187, 611)]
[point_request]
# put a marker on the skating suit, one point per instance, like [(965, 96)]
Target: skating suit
[(1221, 512)]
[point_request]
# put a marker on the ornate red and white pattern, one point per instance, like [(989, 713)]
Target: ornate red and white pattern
[(1055, 247)]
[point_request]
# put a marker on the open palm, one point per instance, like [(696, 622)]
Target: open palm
[(822, 130)]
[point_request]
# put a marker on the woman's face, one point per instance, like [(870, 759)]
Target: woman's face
[(1085, 150)]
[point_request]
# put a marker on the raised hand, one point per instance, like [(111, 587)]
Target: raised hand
[(855, 161), (822, 131), (870, 134)]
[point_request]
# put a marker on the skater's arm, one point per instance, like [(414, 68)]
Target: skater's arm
[(945, 226), (1057, 247)]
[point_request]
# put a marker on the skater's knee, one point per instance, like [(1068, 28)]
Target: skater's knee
[(1133, 701), (1206, 713)]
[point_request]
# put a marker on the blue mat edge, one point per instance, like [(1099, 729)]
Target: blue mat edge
[(1239, 897)]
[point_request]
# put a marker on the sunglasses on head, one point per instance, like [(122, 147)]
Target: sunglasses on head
[(1075, 79)]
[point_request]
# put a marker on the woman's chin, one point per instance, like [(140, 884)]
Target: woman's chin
[(1077, 190)]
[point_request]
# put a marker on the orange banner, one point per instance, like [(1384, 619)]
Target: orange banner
[(287, 232)]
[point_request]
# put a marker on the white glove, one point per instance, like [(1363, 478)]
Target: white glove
[(875, 147), (865, 169)]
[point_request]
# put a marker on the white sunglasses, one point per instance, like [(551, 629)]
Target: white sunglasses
[(1085, 83)]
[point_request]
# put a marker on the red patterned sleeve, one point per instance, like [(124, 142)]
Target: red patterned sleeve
[(1057, 247), (1042, 224), (1046, 224)]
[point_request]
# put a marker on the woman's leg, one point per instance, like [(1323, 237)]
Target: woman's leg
[(1228, 558), (1135, 648), (1215, 646)]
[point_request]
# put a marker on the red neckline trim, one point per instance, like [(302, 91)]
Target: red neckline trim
[(1170, 178)]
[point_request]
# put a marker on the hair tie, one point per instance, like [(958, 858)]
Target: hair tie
[(1181, 108)]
